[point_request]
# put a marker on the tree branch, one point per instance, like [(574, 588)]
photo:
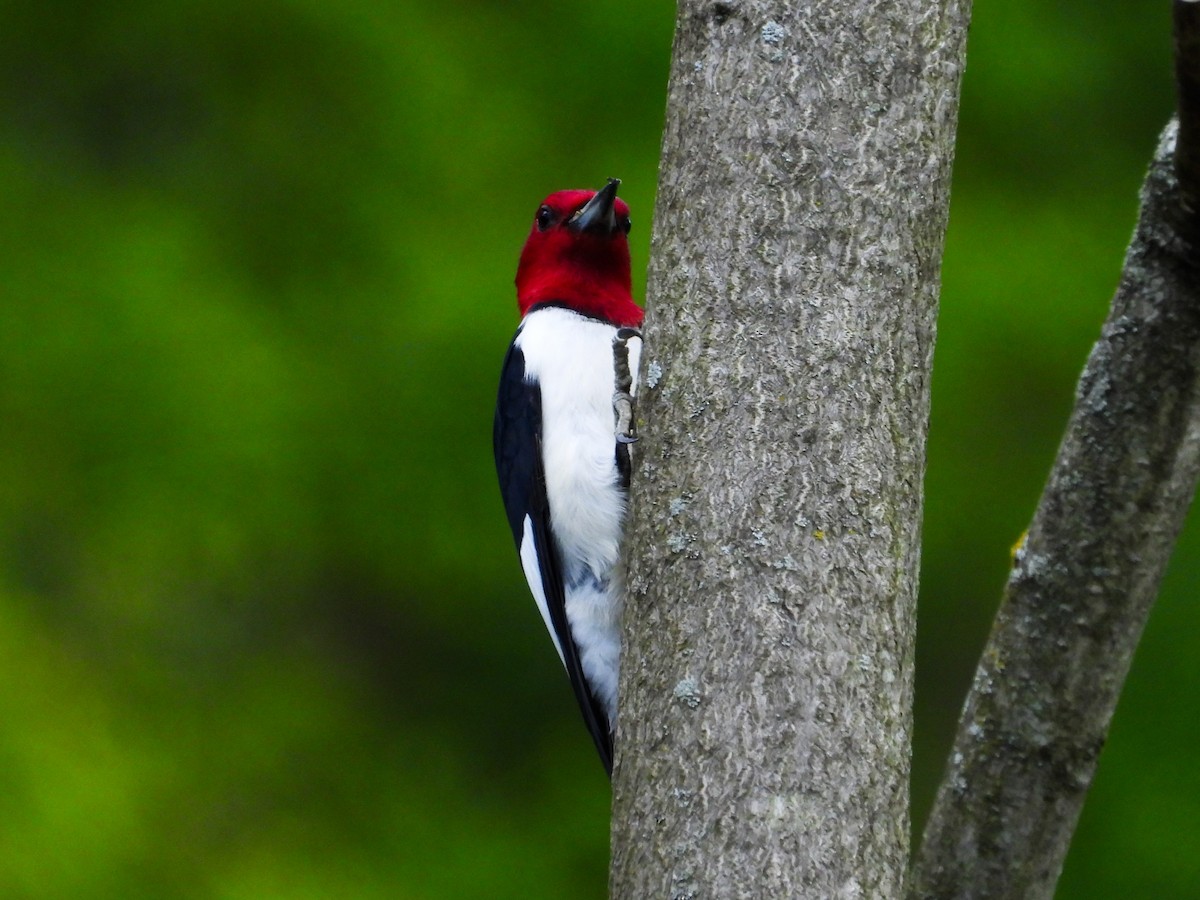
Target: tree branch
[(1083, 583), (763, 741)]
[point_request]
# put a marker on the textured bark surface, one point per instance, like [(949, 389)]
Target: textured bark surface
[(1083, 583), (764, 740)]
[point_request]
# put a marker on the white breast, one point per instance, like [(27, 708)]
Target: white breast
[(570, 357)]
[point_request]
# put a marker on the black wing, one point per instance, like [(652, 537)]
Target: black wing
[(516, 441)]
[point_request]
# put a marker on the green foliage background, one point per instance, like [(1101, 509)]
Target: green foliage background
[(262, 632)]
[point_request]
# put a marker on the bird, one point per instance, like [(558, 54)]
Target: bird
[(560, 441)]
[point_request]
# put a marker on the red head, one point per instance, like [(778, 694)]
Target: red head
[(577, 254)]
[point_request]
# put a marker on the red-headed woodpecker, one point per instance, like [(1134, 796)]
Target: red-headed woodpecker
[(562, 462)]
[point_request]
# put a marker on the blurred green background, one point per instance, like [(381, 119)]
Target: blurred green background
[(262, 631)]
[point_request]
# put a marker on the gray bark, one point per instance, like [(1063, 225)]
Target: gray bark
[(763, 742), (1083, 583)]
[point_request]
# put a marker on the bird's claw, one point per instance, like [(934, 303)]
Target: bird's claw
[(623, 407)]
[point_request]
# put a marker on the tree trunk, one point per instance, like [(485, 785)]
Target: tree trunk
[(766, 697)]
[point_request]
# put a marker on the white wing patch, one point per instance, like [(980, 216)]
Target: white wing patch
[(533, 575)]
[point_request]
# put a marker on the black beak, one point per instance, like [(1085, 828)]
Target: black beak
[(597, 215)]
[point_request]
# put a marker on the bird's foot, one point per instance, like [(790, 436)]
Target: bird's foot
[(626, 429), (623, 407)]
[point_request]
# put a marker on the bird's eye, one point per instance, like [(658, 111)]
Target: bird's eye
[(545, 218), (624, 224)]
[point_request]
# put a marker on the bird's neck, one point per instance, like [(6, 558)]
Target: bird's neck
[(601, 295)]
